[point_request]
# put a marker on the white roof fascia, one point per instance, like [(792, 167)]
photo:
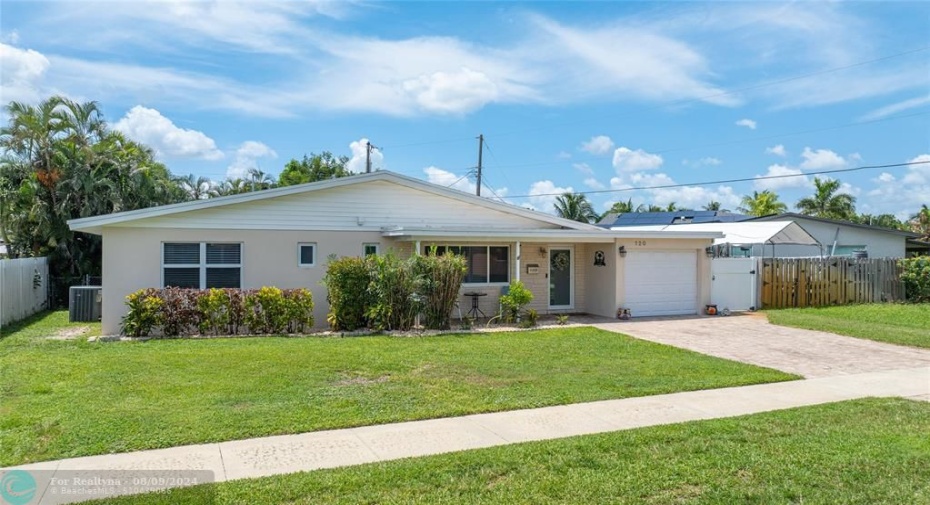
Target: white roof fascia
[(605, 236), (94, 224)]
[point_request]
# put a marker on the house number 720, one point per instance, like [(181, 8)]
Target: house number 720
[(639, 242)]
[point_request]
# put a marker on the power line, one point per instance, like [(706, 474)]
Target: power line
[(683, 101), (427, 142), (460, 178), (741, 141), (730, 181), (503, 172)]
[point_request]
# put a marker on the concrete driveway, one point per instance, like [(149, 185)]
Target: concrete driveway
[(751, 339)]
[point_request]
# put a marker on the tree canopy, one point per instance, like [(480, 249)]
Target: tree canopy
[(61, 161), (575, 206), (762, 204), (312, 168), (827, 202)]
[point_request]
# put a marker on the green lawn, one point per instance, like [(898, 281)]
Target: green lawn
[(861, 452), (62, 399), (905, 324)]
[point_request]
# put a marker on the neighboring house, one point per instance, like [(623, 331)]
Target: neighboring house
[(667, 218), (282, 237), (844, 238)]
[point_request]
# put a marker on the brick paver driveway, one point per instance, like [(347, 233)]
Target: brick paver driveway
[(751, 339)]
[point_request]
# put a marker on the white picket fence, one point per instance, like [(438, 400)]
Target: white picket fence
[(23, 288)]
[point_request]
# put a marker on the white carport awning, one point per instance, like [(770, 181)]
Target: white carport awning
[(743, 233)]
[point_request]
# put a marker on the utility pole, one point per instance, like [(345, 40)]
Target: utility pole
[(367, 157), (480, 152)]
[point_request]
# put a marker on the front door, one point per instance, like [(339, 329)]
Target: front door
[(561, 266)]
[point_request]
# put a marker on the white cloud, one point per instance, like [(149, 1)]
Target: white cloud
[(593, 183), (894, 108), (778, 150), (448, 179), (458, 92), (692, 197), (357, 161), (248, 156), (747, 123), (903, 195), (462, 182), (150, 127), (788, 177), (821, 159), (564, 155), (543, 195), (21, 74), (598, 145), (583, 168), (618, 183), (627, 160), (708, 161)]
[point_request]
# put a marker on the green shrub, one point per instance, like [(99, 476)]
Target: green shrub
[(266, 311), (144, 313), (214, 309), (530, 319), (298, 305), (179, 313), (916, 278), (514, 301), (561, 319), (439, 279), (394, 302), (347, 280)]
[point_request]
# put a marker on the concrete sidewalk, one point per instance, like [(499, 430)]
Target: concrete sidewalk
[(328, 449)]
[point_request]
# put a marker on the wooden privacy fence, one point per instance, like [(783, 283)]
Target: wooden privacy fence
[(23, 288), (816, 282)]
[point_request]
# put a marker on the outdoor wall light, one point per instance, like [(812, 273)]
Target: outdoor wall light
[(709, 251), (621, 251), (542, 251)]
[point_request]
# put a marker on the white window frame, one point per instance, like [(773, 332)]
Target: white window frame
[(316, 252), (376, 245), (427, 247), (203, 265)]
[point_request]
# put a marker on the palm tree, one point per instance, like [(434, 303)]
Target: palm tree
[(920, 222), (712, 205), (826, 203), (625, 207), (260, 180), (762, 204), (197, 188), (576, 207)]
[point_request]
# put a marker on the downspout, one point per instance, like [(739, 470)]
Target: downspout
[(417, 251), (835, 238), (517, 260)]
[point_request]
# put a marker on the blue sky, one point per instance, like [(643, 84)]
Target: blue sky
[(570, 96)]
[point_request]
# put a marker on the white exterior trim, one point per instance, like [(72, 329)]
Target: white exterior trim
[(316, 251), (203, 265)]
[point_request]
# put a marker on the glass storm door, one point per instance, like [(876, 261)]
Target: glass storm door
[(561, 262)]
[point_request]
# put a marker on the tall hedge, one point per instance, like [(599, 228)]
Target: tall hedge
[(384, 292), (440, 280), (346, 282), (174, 312), (916, 277)]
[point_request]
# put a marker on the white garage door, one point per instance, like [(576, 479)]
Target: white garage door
[(660, 283)]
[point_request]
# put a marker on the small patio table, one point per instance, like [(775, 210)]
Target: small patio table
[(475, 310)]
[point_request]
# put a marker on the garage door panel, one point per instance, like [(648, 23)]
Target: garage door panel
[(661, 283)]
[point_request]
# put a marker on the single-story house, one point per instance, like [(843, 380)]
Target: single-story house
[(844, 238), (282, 237)]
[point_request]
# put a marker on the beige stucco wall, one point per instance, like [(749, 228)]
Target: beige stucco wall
[(132, 261)]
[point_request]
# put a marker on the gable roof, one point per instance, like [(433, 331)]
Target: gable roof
[(742, 233), (677, 217), (795, 215), (96, 223)]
